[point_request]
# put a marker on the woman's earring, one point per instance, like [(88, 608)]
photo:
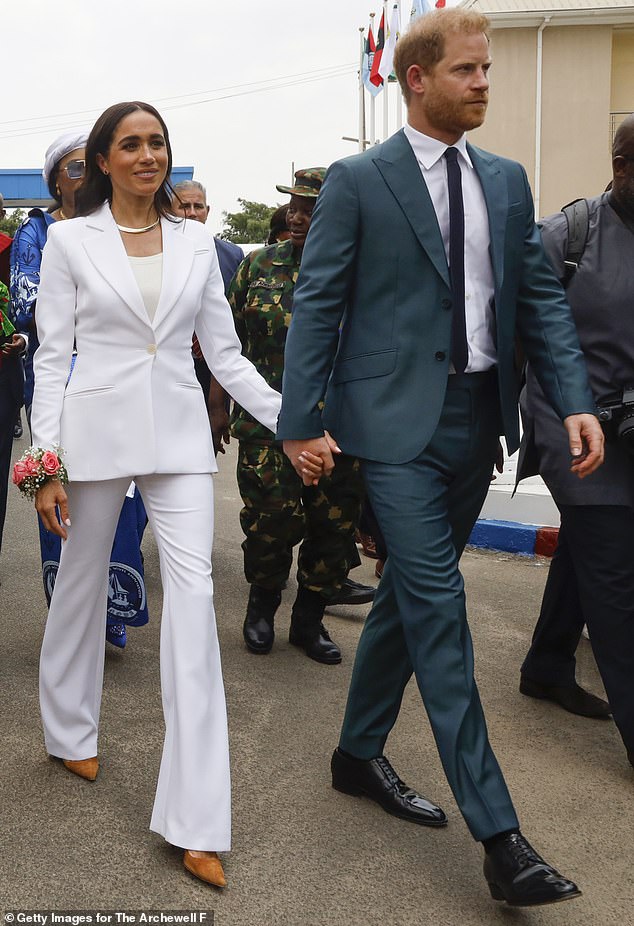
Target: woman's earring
[(105, 171)]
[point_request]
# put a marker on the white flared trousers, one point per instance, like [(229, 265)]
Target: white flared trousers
[(192, 807)]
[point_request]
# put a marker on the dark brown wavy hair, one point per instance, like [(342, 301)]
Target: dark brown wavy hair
[(97, 187)]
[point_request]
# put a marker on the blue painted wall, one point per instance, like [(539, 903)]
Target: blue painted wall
[(28, 184)]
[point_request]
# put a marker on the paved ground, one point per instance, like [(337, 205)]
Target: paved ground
[(303, 854)]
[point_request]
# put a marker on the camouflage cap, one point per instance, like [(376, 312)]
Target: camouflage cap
[(307, 182)]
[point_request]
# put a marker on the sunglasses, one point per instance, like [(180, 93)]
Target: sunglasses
[(75, 169)]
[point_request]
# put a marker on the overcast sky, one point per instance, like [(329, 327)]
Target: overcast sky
[(76, 57)]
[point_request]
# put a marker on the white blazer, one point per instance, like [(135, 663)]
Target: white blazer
[(133, 404)]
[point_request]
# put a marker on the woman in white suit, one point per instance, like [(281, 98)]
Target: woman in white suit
[(128, 284)]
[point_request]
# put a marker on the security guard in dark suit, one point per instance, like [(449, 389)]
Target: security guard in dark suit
[(591, 577)]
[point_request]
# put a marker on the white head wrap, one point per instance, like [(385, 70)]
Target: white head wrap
[(63, 145)]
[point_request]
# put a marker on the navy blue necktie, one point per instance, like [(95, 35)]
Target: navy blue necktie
[(459, 349)]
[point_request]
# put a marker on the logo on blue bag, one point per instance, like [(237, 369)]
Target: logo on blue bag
[(126, 592), (49, 574)]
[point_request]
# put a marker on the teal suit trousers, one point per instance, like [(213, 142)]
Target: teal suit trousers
[(426, 509)]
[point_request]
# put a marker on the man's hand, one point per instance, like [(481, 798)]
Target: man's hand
[(219, 420), (585, 438), (217, 402), (47, 499), (15, 346), (499, 461), (312, 458)]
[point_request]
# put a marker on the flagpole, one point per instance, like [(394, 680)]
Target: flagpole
[(399, 95), (386, 94), (361, 96), (372, 101)]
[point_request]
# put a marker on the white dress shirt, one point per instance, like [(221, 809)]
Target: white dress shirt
[(479, 286)]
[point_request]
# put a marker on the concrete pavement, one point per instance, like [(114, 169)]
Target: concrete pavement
[(303, 854)]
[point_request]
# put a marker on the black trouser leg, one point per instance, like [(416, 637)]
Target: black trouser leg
[(601, 543), (551, 657)]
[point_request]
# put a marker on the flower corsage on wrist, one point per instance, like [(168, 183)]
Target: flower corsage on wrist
[(36, 467)]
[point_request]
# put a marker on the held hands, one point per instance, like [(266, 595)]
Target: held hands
[(585, 438), (48, 498), (312, 458)]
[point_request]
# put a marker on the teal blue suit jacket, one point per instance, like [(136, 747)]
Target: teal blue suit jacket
[(371, 326)]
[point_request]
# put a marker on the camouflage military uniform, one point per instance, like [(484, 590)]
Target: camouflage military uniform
[(279, 511)]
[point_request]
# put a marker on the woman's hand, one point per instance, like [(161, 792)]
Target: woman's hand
[(48, 498)]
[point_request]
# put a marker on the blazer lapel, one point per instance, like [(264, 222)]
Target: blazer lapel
[(178, 257), (496, 196), (401, 172), (107, 253)]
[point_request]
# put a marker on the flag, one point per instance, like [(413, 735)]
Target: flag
[(375, 77), (369, 49), (387, 58), (419, 7)]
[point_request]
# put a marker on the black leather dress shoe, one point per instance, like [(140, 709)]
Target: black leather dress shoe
[(572, 698), (517, 874), (316, 643), (376, 779), (353, 593)]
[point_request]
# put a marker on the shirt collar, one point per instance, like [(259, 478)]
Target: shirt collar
[(428, 150)]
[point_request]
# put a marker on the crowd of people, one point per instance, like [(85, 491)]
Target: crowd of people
[(365, 360)]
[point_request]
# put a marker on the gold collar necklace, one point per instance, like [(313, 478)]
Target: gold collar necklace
[(137, 231)]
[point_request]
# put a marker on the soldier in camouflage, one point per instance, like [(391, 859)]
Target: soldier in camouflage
[(279, 511)]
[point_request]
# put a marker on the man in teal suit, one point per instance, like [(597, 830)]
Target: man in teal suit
[(422, 265)]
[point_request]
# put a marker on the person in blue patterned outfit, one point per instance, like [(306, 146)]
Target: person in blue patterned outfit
[(63, 172), (12, 346)]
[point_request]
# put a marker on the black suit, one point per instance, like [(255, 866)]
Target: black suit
[(591, 577)]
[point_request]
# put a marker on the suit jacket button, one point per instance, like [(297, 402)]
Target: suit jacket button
[(446, 303), (440, 355), (151, 348)]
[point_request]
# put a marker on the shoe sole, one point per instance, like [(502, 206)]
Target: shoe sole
[(497, 894), (258, 652), (354, 791), (360, 599)]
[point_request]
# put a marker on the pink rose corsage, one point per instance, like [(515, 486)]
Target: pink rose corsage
[(36, 467)]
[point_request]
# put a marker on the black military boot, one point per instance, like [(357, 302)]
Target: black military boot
[(307, 630), (258, 624)]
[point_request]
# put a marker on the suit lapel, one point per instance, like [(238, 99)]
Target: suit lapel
[(399, 168), (107, 253), (496, 196), (178, 257)]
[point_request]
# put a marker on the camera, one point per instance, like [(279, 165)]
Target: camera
[(617, 418)]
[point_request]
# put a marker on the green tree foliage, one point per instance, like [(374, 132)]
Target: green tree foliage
[(249, 226), (9, 224)]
